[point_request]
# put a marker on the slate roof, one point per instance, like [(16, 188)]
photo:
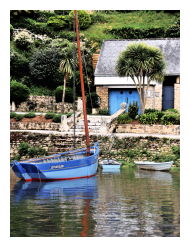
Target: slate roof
[(111, 49)]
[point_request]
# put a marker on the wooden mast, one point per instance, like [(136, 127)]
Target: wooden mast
[(82, 87)]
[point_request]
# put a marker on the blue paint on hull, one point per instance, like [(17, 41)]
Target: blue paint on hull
[(57, 170)]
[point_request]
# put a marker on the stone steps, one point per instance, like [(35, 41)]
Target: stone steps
[(94, 124)]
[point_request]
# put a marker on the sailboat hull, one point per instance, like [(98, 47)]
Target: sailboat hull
[(68, 165)]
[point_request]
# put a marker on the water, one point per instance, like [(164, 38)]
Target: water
[(126, 203)]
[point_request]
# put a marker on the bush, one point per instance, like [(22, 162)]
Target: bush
[(98, 18), (12, 114), (104, 111), (133, 109), (32, 151), (176, 150), (58, 22), (170, 119), (23, 40), (148, 118), (49, 115), (19, 117), (68, 94), (23, 148), (18, 92), (29, 115), (150, 110), (41, 151), (124, 118), (172, 110), (57, 118), (84, 19)]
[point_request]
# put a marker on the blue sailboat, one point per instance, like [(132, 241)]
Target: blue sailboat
[(80, 163)]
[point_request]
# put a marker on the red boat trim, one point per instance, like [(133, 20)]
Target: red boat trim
[(56, 179)]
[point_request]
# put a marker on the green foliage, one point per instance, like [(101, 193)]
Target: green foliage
[(49, 115), (43, 65), (19, 117), (133, 109), (172, 110), (58, 22), (170, 119), (11, 31), (23, 148), (68, 94), (104, 111), (84, 19), (57, 118), (18, 64), (176, 151), (173, 31), (158, 113), (149, 110), (148, 118), (30, 115), (12, 114), (18, 92), (124, 118), (32, 152), (93, 100), (23, 40), (69, 114), (41, 151), (98, 18)]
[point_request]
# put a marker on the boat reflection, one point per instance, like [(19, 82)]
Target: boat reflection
[(111, 170), (156, 175), (80, 188)]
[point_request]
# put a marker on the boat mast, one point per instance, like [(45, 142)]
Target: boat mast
[(82, 87)]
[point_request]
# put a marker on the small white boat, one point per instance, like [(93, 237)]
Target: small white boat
[(155, 166), (110, 164)]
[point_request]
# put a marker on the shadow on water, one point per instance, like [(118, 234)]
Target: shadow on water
[(124, 203)]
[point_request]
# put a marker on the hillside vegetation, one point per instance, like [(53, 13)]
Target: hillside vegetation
[(35, 62)]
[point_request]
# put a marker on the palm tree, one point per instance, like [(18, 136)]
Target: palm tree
[(66, 65), (138, 61)]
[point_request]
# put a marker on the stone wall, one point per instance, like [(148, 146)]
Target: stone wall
[(43, 104), (34, 126), (104, 95), (148, 129), (177, 96), (145, 147)]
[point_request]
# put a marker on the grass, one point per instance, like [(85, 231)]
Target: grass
[(136, 19)]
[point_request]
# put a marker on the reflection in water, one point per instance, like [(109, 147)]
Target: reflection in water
[(125, 203)]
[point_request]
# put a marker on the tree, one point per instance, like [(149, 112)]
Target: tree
[(139, 61), (66, 67), (44, 64)]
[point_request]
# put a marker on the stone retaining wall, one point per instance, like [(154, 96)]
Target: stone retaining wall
[(43, 104), (34, 126), (148, 129), (145, 147)]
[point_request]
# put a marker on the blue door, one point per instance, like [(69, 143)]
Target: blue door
[(167, 97), (117, 96)]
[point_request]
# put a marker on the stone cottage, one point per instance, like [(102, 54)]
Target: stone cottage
[(114, 90)]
